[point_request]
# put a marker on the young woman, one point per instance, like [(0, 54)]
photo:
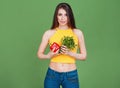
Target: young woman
[(62, 70)]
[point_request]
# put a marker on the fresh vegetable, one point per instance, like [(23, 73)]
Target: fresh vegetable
[(54, 47), (69, 42), (66, 41)]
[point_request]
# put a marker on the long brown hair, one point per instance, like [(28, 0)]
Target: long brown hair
[(67, 8)]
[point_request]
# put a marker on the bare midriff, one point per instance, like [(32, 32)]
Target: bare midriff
[(62, 67)]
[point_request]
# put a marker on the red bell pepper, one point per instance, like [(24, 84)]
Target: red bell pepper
[(54, 46)]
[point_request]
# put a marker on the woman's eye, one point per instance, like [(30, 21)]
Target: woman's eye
[(59, 14)]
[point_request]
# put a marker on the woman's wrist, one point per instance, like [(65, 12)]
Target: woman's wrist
[(72, 54), (69, 53)]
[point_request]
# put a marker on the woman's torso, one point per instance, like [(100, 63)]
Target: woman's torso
[(61, 67)]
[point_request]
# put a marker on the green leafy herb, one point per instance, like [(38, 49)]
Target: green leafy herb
[(69, 42)]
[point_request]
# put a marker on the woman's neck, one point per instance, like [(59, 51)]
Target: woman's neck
[(63, 27)]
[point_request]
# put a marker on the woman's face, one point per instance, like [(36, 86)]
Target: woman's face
[(62, 17)]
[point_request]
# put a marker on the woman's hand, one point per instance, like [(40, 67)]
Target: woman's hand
[(52, 53), (64, 50)]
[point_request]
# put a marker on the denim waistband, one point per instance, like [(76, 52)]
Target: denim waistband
[(69, 72)]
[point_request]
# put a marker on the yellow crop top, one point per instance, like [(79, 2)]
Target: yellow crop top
[(56, 37)]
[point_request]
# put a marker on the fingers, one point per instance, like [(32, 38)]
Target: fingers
[(64, 50), (54, 52), (53, 49)]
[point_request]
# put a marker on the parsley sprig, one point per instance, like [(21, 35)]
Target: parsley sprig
[(69, 42)]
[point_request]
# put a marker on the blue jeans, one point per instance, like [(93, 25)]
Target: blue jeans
[(54, 79)]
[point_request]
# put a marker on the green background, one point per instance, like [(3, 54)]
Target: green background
[(22, 24)]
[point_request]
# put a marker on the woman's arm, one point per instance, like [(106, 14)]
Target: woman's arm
[(82, 55), (43, 46)]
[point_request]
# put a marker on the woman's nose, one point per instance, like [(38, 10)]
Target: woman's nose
[(63, 17)]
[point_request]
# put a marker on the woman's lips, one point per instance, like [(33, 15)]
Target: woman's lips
[(62, 21)]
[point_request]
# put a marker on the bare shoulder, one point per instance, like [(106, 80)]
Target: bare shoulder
[(49, 32), (78, 32)]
